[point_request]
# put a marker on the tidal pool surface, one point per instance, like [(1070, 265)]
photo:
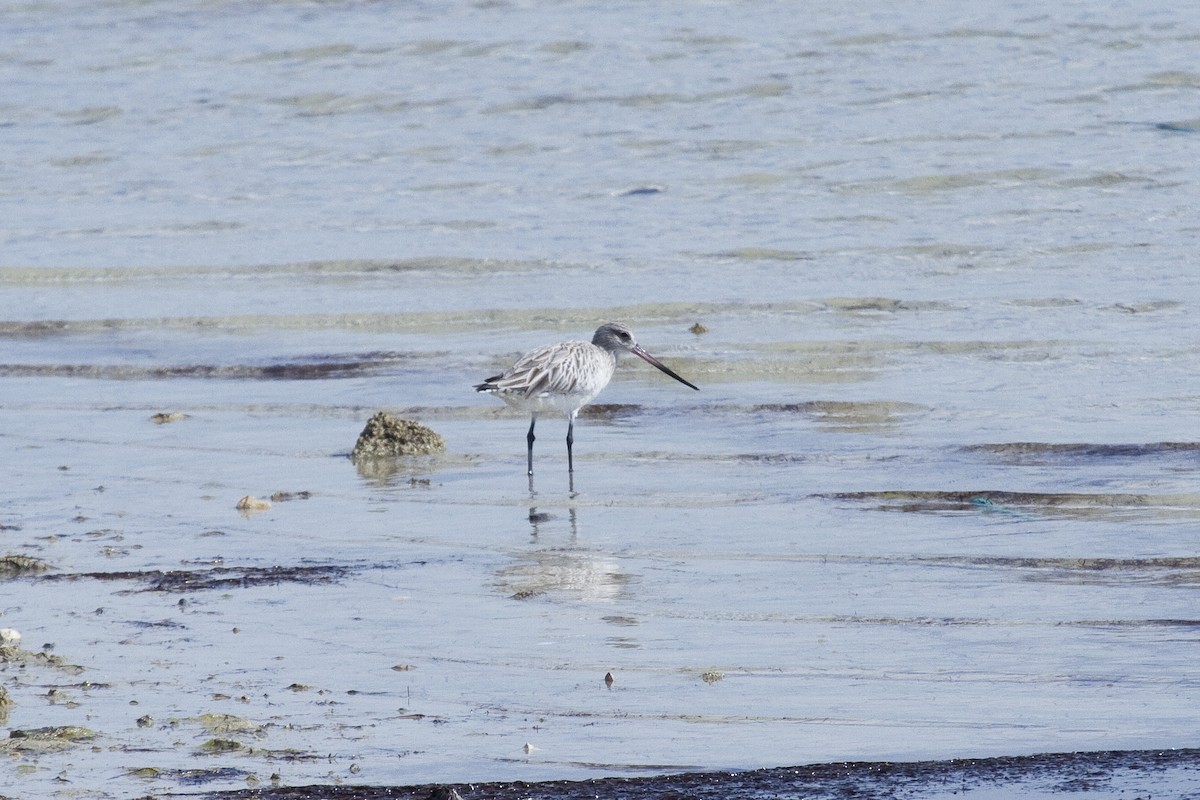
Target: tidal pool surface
[(936, 499)]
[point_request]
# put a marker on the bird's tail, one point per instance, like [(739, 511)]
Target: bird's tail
[(488, 385)]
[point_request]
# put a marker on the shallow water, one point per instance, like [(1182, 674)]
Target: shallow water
[(935, 499)]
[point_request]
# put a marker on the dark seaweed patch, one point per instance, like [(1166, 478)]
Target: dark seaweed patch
[(319, 368), (214, 578), (1080, 450), (1186, 126), (993, 499), (161, 623), (1087, 564), (190, 777), (1058, 772), (1175, 571)]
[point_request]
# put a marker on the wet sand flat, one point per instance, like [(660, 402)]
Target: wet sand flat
[(935, 501)]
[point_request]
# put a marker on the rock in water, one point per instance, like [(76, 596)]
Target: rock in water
[(386, 435), (14, 566)]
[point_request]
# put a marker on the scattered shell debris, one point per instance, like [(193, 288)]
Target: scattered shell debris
[(10, 637), (386, 435), (712, 676), (163, 417), (251, 503)]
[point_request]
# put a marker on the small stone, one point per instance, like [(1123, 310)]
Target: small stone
[(608, 679), (13, 565), (221, 724), (699, 328), (249, 503), (386, 435), (164, 417), (49, 739)]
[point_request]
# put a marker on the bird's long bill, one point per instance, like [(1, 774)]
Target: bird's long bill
[(642, 354)]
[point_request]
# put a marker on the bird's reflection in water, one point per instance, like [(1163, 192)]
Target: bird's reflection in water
[(555, 566), (571, 493), (538, 517)]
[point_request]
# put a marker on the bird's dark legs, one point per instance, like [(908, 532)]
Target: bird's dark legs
[(529, 437), (570, 441)]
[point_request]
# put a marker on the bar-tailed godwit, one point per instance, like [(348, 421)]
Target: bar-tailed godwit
[(565, 377)]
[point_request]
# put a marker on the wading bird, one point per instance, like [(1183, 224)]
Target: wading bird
[(565, 377)]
